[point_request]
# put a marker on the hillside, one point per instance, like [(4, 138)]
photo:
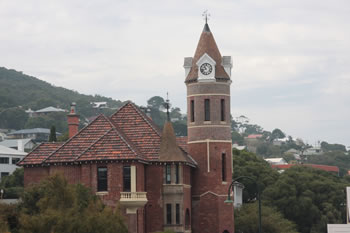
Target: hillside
[(18, 92)]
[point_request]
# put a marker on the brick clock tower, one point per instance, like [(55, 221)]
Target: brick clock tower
[(208, 80)]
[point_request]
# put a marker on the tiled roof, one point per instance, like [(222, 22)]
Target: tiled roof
[(40, 153), (109, 146), (127, 134), (182, 142), (318, 166), (80, 142), (139, 129), (207, 45)]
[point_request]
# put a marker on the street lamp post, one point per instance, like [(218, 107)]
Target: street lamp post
[(234, 183)]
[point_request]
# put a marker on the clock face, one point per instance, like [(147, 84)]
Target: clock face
[(206, 68)]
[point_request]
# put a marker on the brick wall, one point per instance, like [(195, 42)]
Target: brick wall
[(154, 208)]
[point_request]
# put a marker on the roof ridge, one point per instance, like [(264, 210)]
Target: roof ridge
[(126, 103), (125, 139), (148, 120), (93, 143), (70, 139)]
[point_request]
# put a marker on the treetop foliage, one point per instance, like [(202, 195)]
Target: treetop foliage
[(272, 221), (56, 206)]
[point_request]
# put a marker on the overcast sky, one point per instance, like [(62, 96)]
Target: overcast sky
[(291, 59)]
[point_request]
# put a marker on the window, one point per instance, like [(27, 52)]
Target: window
[(177, 216), (3, 174), (192, 110), (15, 160), (102, 179), (4, 160), (168, 213), (126, 179), (177, 173), (223, 168), (207, 110), (168, 174), (222, 110)]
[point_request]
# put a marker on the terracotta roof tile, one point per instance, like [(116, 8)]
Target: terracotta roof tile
[(127, 134), (108, 147), (318, 166), (76, 145), (40, 153), (139, 129)]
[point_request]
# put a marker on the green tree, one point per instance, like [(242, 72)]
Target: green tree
[(332, 158), (56, 206), (13, 118), (309, 197), (13, 184), (156, 102), (248, 164), (52, 137), (332, 147), (277, 133), (237, 138), (246, 220)]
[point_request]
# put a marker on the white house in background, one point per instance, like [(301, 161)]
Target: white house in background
[(19, 144), (313, 151), (238, 147), (2, 136), (276, 161), (99, 104), (8, 159), (48, 110)]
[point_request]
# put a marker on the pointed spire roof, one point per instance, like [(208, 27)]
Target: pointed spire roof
[(207, 45), (169, 150)]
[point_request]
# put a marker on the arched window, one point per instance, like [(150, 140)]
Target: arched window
[(187, 220), (225, 231)]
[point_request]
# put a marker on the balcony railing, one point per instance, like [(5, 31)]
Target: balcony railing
[(133, 200), (133, 195)]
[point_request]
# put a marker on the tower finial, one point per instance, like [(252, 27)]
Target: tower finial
[(167, 105), (206, 16)]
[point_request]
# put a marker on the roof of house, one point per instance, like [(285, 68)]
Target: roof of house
[(14, 142), (207, 45), (32, 131), (50, 109), (9, 151), (127, 134), (275, 160), (169, 150), (322, 167), (254, 136)]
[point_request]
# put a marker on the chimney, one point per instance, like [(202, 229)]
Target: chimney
[(20, 146), (73, 121)]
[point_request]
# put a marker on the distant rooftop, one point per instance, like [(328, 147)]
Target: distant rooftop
[(14, 142), (32, 131), (9, 151), (50, 109), (254, 136)]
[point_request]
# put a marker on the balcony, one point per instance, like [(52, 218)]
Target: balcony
[(133, 200)]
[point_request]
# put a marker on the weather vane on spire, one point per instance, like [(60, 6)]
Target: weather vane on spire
[(206, 16), (167, 106)]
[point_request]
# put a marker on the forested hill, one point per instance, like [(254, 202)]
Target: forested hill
[(18, 92), (18, 89)]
